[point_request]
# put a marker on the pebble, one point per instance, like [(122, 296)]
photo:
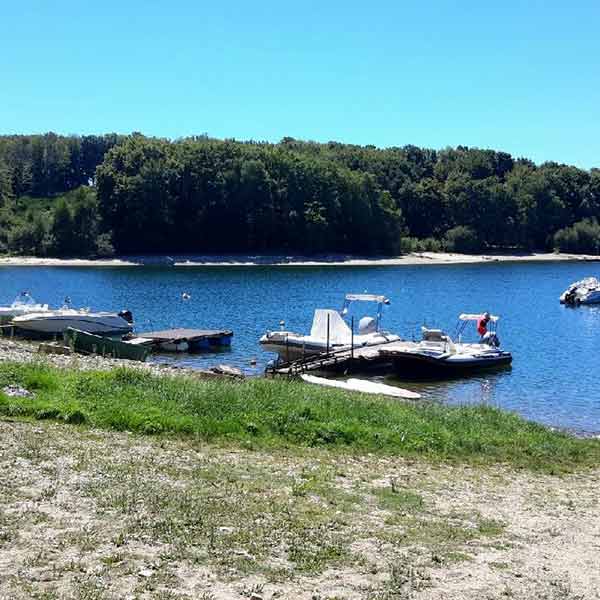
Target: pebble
[(146, 573), (27, 351), (16, 391), (226, 530)]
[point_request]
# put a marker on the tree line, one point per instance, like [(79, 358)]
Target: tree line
[(97, 195)]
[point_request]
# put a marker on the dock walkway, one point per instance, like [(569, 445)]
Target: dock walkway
[(346, 360), (195, 338)]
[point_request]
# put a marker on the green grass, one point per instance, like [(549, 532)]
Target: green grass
[(262, 413), (405, 501)]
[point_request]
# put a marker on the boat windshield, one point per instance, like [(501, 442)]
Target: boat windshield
[(24, 299)]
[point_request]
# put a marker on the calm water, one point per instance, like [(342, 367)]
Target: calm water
[(556, 350)]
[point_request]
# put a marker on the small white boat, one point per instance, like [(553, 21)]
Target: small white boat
[(438, 355), (56, 322), (364, 386), (586, 291), (330, 332), (22, 305)]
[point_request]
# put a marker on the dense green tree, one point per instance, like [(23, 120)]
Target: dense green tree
[(582, 237), (132, 194)]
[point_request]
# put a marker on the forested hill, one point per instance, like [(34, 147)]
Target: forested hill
[(96, 195)]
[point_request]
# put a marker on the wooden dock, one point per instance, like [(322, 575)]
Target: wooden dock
[(365, 358), (195, 339)]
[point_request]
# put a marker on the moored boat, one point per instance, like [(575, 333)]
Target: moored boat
[(331, 332), (438, 355), (585, 291), (89, 343), (55, 322)]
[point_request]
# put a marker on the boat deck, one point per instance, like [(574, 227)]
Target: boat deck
[(196, 338), (168, 335)]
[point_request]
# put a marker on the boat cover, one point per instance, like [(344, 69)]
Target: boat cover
[(339, 331)]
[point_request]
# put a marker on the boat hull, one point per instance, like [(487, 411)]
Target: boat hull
[(7, 314), (423, 366), (295, 347), (294, 350), (46, 325)]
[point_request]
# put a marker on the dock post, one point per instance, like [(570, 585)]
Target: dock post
[(352, 338), (327, 333), (287, 349)]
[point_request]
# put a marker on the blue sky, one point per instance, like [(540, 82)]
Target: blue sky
[(517, 76)]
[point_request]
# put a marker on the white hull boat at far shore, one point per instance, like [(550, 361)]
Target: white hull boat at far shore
[(586, 291), (330, 332), (56, 322)]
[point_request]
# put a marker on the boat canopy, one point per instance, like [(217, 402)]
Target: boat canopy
[(473, 317), (367, 298)]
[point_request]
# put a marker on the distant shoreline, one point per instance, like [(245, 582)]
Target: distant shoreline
[(413, 259)]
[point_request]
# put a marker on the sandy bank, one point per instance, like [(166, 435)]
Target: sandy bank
[(413, 259), (94, 514), (418, 258), (33, 261)]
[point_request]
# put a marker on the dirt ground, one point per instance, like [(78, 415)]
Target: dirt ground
[(96, 515)]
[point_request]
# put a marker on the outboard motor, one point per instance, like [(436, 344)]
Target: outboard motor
[(127, 315), (491, 339), (571, 296), (367, 325)]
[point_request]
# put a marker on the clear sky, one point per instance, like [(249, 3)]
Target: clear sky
[(517, 76)]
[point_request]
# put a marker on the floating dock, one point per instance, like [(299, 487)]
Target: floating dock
[(192, 340), (365, 358)]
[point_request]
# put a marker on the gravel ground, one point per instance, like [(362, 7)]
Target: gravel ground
[(19, 350), (99, 515)]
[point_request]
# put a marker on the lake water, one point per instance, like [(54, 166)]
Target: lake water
[(556, 350)]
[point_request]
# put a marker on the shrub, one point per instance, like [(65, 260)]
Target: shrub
[(462, 239), (583, 238), (411, 244), (104, 246)]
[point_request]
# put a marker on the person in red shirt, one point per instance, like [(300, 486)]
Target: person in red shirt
[(482, 324)]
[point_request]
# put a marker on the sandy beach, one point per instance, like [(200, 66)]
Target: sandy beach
[(96, 514), (413, 259)]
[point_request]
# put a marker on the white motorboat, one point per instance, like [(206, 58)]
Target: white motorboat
[(437, 354), (586, 291), (56, 322), (330, 332), (22, 305)]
